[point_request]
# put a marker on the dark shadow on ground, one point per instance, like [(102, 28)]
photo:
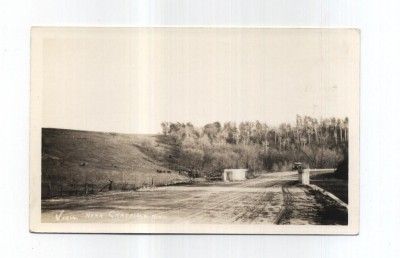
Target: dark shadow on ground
[(331, 212), (330, 183)]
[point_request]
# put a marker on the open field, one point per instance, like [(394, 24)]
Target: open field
[(270, 198), (79, 162)]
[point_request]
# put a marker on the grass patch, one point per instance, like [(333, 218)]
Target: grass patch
[(82, 162)]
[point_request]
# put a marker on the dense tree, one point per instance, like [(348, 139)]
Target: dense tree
[(255, 145)]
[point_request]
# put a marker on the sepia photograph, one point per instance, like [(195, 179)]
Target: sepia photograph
[(194, 130)]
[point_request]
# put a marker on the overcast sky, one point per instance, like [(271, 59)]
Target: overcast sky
[(131, 80)]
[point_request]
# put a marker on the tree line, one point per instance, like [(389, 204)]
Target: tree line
[(319, 143)]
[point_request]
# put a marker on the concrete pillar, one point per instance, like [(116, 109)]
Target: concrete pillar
[(304, 176)]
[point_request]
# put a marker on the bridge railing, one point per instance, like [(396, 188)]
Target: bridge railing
[(304, 174)]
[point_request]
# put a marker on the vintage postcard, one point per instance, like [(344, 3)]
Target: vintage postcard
[(194, 130)]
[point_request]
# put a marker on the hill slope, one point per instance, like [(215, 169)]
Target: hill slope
[(76, 162)]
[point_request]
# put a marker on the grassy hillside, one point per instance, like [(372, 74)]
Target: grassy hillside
[(81, 162)]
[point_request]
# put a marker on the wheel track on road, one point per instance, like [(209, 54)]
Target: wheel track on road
[(251, 214), (287, 207), (233, 197), (186, 205)]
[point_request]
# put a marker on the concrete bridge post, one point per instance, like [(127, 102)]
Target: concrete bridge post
[(304, 176)]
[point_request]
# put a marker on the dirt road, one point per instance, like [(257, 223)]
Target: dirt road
[(272, 198)]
